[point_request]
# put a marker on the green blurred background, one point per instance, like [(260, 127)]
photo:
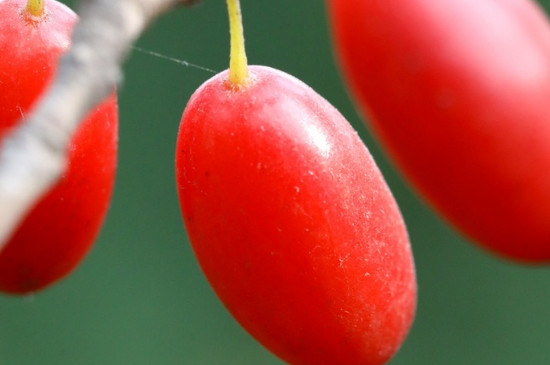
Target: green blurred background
[(140, 298)]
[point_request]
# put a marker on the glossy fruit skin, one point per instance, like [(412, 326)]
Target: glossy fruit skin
[(62, 227), (292, 222), (457, 92)]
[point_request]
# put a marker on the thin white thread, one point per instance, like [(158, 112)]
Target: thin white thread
[(178, 61), (21, 112)]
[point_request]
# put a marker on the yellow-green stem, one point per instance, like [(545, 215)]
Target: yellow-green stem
[(238, 67), (35, 7)]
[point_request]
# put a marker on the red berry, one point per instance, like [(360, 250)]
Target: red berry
[(292, 222), (458, 93), (63, 225)]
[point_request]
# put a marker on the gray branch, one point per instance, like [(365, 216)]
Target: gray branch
[(32, 158)]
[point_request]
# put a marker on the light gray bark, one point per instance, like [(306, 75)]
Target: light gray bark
[(32, 158)]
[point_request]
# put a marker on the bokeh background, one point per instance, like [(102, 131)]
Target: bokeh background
[(140, 298)]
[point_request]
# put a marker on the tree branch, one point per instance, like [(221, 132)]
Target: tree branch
[(32, 157)]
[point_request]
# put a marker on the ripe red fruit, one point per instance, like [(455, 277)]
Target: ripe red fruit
[(61, 228), (458, 93), (292, 222)]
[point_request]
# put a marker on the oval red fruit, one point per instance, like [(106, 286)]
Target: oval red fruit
[(458, 93), (61, 228), (292, 222)]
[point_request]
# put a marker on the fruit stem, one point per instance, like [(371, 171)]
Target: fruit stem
[(238, 67), (35, 7)]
